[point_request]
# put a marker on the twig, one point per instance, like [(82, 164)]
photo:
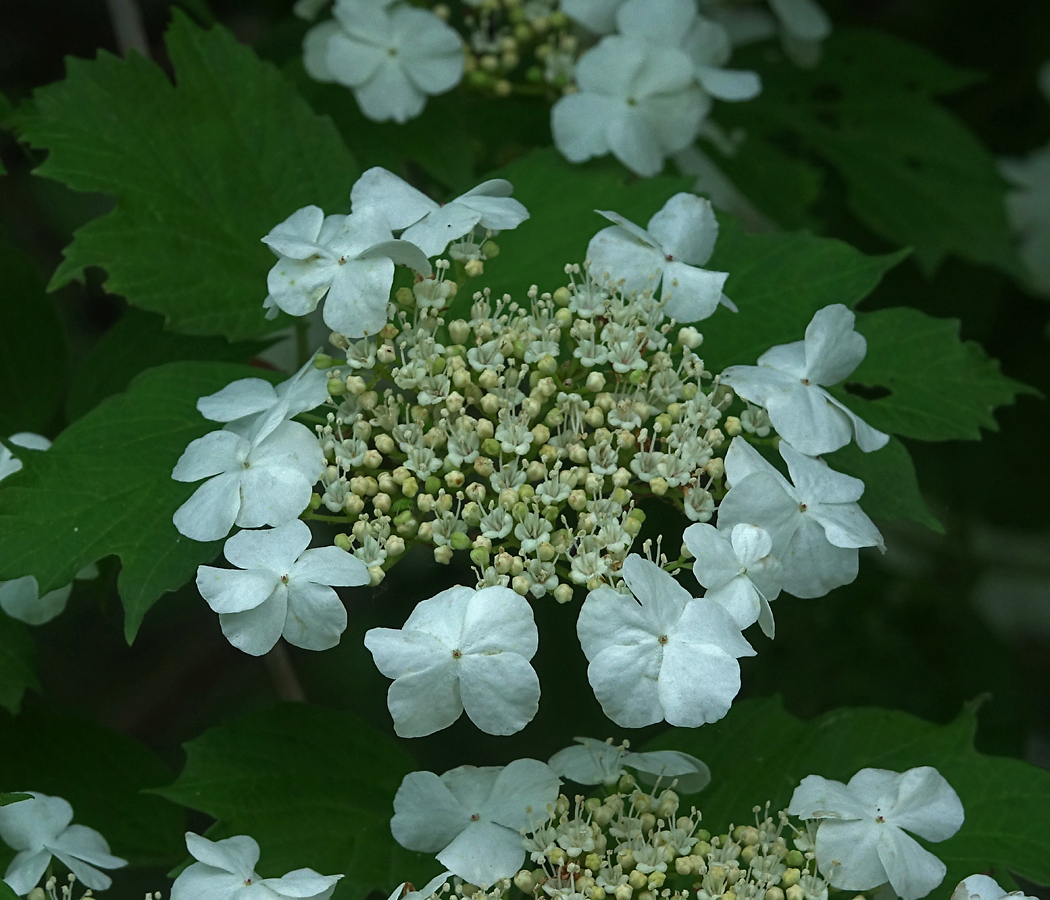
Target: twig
[(282, 674)]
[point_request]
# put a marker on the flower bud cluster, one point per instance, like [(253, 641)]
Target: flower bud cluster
[(523, 435)]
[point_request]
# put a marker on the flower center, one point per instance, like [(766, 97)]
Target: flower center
[(284, 578), (802, 507), (662, 639), (474, 817), (457, 654)]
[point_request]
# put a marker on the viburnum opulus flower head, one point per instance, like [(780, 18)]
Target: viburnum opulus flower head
[(789, 383), (861, 842), (461, 650), (39, 828), (280, 589), (661, 653), (669, 253), (472, 818), (225, 870)]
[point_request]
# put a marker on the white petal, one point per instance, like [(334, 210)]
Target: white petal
[(349, 61), (434, 233), (698, 683), (483, 854), (846, 525), (404, 253), (521, 794), (499, 211), (833, 348), (802, 18), (316, 618), (691, 774), (818, 798), (330, 565), (661, 25), (632, 142), (847, 854), (401, 203), (203, 882), (88, 845), (686, 228), (589, 761), (740, 598), (732, 85), (356, 304), (500, 691), (808, 418), (707, 622), (315, 50), (30, 440), (927, 805), (743, 460), (255, 631), (692, 294), (663, 599), (26, 869), (210, 512), (868, 439), (616, 255), (789, 358), (625, 682), (913, 871), (424, 702), (270, 549), (431, 50), (404, 652), (472, 786), (296, 236), (816, 482), (87, 875), (978, 887), (716, 564), (813, 566), (243, 397), (302, 883), (216, 452), (578, 125), (238, 855), (390, 94), (497, 619), (20, 599), (296, 286), (231, 591), (750, 544), (598, 16), (31, 824), (427, 817), (761, 500)]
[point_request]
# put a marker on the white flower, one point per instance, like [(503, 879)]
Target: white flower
[(981, 887), (861, 842), (675, 23), (598, 16), (9, 463), (257, 407), (393, 58), (284, 590), (430, 225), (679, 239), (250, 483), (601, 762), (21, 599), (635, 101), (472, 817), (788, 382), (663, 655), (348, 258), (737, 570), (816, 523), (461, 650), (39, 829), (428, 890), (225, 870)]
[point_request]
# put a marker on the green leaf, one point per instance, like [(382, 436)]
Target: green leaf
[(941, 388), (891, 490), (201, 171), (760, 752), (105, 487), (314, 786), (102, 774), (32, 348), (914, 174), (138, 342), (17, 663), (5, 799), (6, 893)]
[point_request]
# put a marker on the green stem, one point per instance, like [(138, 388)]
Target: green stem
[(302, 335), (315, 517)]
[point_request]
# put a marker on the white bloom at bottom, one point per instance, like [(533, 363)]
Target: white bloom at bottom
[(21, 598), (981, 887), (861, 842), (39, 829), (284, 590), (461, 650), (592, 761), (472, 817), (662, 654), (225, 870)]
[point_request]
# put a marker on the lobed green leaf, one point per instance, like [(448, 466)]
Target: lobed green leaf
[(17, 663)]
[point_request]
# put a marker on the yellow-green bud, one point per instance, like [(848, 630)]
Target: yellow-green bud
[(342, 541), (563, 594), (382, 502), (315, 502), (632, 526), (732, 425), (385, 444), (656, 880), (490, 447), (405, 296), (395, 545), (485, 429), (525, 882), (410, 487), (774, 893), (595, 382), (637, 880), (507, 498), (623, 892), (793, 874), (484, 466), (795, 859), (794, 892), (459, 331), (490, 249), (715, 467), (519, 510), (460, 541), (520, 585), (432, 484), (455, 479), (354, 504), (442, 554), (480, 557), (577, 500)]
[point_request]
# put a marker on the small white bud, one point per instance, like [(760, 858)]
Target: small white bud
[(595, 382), (376, 575), (690, 337), (563, 593)]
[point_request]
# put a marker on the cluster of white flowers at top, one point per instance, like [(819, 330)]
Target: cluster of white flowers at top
[(1028, 204), (626, 843), (20, 598)]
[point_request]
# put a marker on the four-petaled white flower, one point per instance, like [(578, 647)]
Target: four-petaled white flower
[(981, 887), (461, 650), (255, 407), (738, 570), (861, 842), (283, 590), (637, 102), (225, 870), (675, 23), (592, 761), (472, 818), (348, 260), (789, 378), (428, 224), (40, 828), (250, 483), (815, 522), (393, 57), (679, 239), (664, 655)]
